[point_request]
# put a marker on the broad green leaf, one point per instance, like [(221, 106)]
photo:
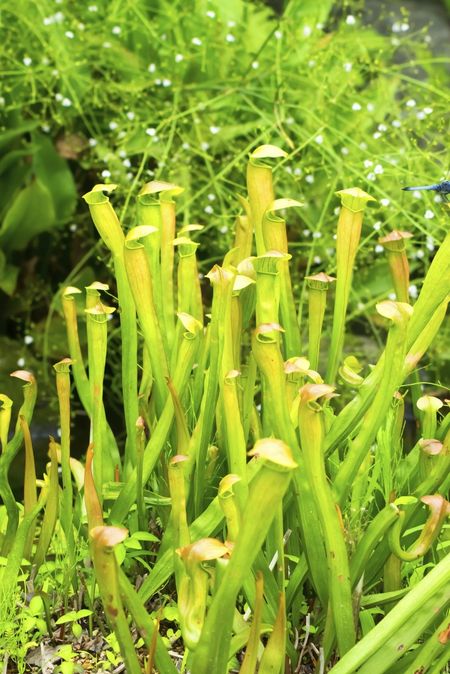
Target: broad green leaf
[(53, 171), (31, 213)]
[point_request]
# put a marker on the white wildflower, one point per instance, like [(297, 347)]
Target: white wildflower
[(356, 106), (428, 215)]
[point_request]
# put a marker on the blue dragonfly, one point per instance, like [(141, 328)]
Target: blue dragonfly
[(442, 188)]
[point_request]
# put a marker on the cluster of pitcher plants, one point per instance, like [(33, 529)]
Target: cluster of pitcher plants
[(273, 465)]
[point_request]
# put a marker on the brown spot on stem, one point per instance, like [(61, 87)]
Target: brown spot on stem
[(444, 636), (400, 647), (112, 611)]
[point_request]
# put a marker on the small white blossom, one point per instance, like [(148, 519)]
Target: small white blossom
[(377, 226), (428, 111), (307, 30), (377, 135), (150, 131), (209, 209), (214, 129), (73, 227), (131, 115), (28, 339), (317, 259), (106, 45), (404, 27), (397, 123), (211, 197), (363, 146), (58, 97), (396, 27), (92, 142), (298, 171), (395, 41), (309, 178), (420, 254), (45, 128), (58, 17), (122, 154), (158, 82), (179, 58), (411, 103), (378, 248), (255, 65), (370, 107), (417, 195), (106, 173), (211, 14), (92, 8), (430, 243), (230, 37), (392, 296), (70, 34), (348, 67), (356, 106), (113, 126), (166, 82), (151, 68), (319, 25), (385, 202), (185, 146), (371, 176), (378, 169), (437, 198), (420, 115), (344, 150), (21, 362), (116, 30), (126, 163), (319, 139), (317, 235), (278, 34), (306, 232), (66, 102), (382, 127), (223, 229), (196, 41), (368, 163), (204, 146), (350, 20), (311, 63), (412, 291), (231, 24), (428, 215), (27, 61)]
